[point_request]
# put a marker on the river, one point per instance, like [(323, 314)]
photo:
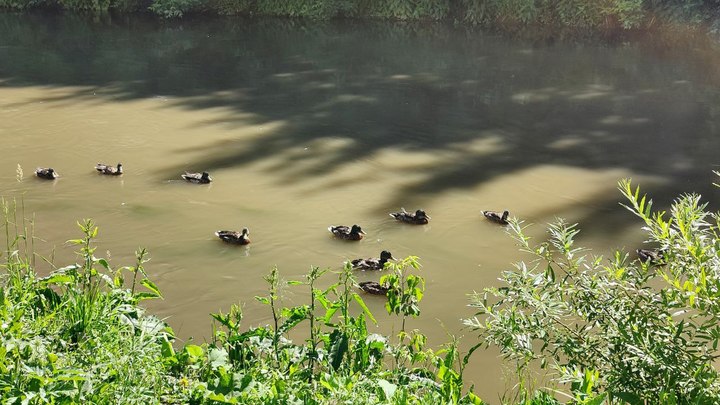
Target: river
[(306, 124)]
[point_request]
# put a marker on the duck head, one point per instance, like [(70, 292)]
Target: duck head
[(357, 229), (385, 256), (421, 214)]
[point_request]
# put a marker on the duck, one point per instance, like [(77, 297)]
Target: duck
[(235, 237), (497, 217), (373, 263), (650, 256), (109, 170), (373, 287), (346, 232), (199, 178), (47, 173), (418, 218)]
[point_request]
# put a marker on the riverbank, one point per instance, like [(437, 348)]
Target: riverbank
[(569, 15)]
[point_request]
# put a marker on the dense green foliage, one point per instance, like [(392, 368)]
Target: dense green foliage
[(75, 336), (574, 14), (640, 331), (569, 13)]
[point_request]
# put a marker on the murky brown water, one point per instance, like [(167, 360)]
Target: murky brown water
[(306, 125)]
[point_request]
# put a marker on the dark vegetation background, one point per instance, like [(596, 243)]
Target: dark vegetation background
[(505, 14)]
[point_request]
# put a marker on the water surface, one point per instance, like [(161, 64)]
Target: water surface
[(306, 124)]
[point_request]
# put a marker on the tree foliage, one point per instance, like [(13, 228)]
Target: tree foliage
[(509, 14)]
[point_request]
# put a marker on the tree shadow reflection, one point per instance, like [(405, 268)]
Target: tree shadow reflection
[(479, 106)]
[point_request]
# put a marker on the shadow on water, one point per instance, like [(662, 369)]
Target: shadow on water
[(483, 106)]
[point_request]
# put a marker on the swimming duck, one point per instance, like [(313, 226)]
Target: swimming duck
[(110, 170), (347, 233), (373, 263), (199, 178), (373, 287), (47, 173), (238, 238), (497, 217), (418, 218), (650, 256)]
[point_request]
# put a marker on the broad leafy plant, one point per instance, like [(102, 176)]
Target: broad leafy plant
[(339, 361)]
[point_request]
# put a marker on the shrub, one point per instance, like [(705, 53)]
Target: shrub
[(320, 9), (646, 331), (25, 4), (85, 5), (232, 7), (173, 8), (129, 6), (406, 9), (553, 13), (339, 362)]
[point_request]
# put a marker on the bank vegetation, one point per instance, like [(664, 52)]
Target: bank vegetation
[(506, 14)]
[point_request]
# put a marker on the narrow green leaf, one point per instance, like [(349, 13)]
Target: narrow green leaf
[(144, 295), (364, 307), (338, 348), (151, 286), (598, 400), (474, 399), (329, 314), (104, 263)]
